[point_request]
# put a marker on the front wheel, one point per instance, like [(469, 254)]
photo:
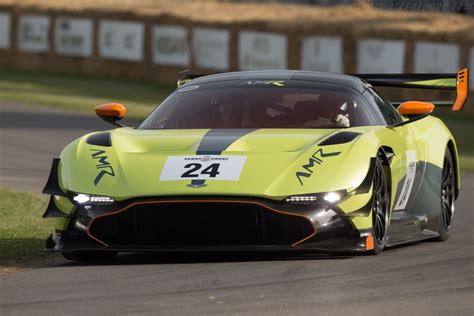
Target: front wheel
[(90, 256), (380, 207)]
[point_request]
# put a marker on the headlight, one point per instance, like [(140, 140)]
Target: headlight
[(85, 199), (332, 197), (328, 197), (303, 199)]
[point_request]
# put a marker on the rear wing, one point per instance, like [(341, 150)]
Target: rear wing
[(455, 82)]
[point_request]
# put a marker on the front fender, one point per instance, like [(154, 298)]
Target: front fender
[(84, 166)]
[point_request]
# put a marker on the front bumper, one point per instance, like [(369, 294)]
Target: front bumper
[(208, 224)]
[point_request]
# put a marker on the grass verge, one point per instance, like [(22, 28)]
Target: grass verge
[(80, 93), (22, 230)]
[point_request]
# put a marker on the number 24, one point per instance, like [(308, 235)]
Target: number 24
[(193, 172)]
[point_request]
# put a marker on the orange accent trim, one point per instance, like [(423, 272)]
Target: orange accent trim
[(369, 242), (462, 89), (202, 201), (415, 108), (111, 110)]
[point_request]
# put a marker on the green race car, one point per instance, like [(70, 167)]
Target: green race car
[(261, 160)]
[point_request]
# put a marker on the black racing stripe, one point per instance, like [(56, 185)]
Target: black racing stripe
[(215, 141)]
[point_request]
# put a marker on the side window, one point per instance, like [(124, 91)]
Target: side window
[(388, 112)]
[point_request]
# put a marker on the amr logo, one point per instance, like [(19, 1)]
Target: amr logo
[(103, 165), (315, 159)]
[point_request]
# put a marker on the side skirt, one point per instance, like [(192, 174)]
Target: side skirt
[(405, 228), (420, 218)]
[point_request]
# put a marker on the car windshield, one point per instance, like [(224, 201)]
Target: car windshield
[(262, 104)]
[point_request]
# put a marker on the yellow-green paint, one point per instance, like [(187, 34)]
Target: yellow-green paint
[(273, 157), (361, 222), (446, 82)]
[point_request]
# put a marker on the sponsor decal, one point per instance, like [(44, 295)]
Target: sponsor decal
[(315, 159), (409, 179), (103, 165), (278, 83)]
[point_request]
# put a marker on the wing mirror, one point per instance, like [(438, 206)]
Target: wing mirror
[(111, 112), (414, 110)]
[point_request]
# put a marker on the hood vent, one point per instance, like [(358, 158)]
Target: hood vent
[(339, 138), (100, 139)]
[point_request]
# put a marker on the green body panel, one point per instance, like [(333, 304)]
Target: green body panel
[(447, 82), (274, 156), (432, 137), (65, 206)]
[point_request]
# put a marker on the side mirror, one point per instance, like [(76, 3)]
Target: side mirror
[(415, 108), (111, 112)]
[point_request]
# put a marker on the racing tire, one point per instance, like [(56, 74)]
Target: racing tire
[(90, 256), (448, 196), (380, 209)]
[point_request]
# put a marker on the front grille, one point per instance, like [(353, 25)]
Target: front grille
[(200, 224)]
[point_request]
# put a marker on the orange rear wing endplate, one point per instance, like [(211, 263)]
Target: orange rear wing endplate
[(458, 82), (462, 89)]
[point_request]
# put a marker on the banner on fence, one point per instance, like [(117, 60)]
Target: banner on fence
[(431, 57), (121, 40), (170, 45), (211, 48), (5, 29), (73, 36), (260, 50), (380, 56), (33, 33), (322, 53)]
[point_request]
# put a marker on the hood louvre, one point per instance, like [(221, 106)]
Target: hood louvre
[(339, 138), (100, 139)]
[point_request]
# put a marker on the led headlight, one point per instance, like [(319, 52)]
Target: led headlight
[(85, 199), (328, 197), (301, 199), (332, 197)]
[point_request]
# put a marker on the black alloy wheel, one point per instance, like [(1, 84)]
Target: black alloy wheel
[(380, 207), (448, 196)]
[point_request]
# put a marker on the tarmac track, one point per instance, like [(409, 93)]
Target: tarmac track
[(429, 278)]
